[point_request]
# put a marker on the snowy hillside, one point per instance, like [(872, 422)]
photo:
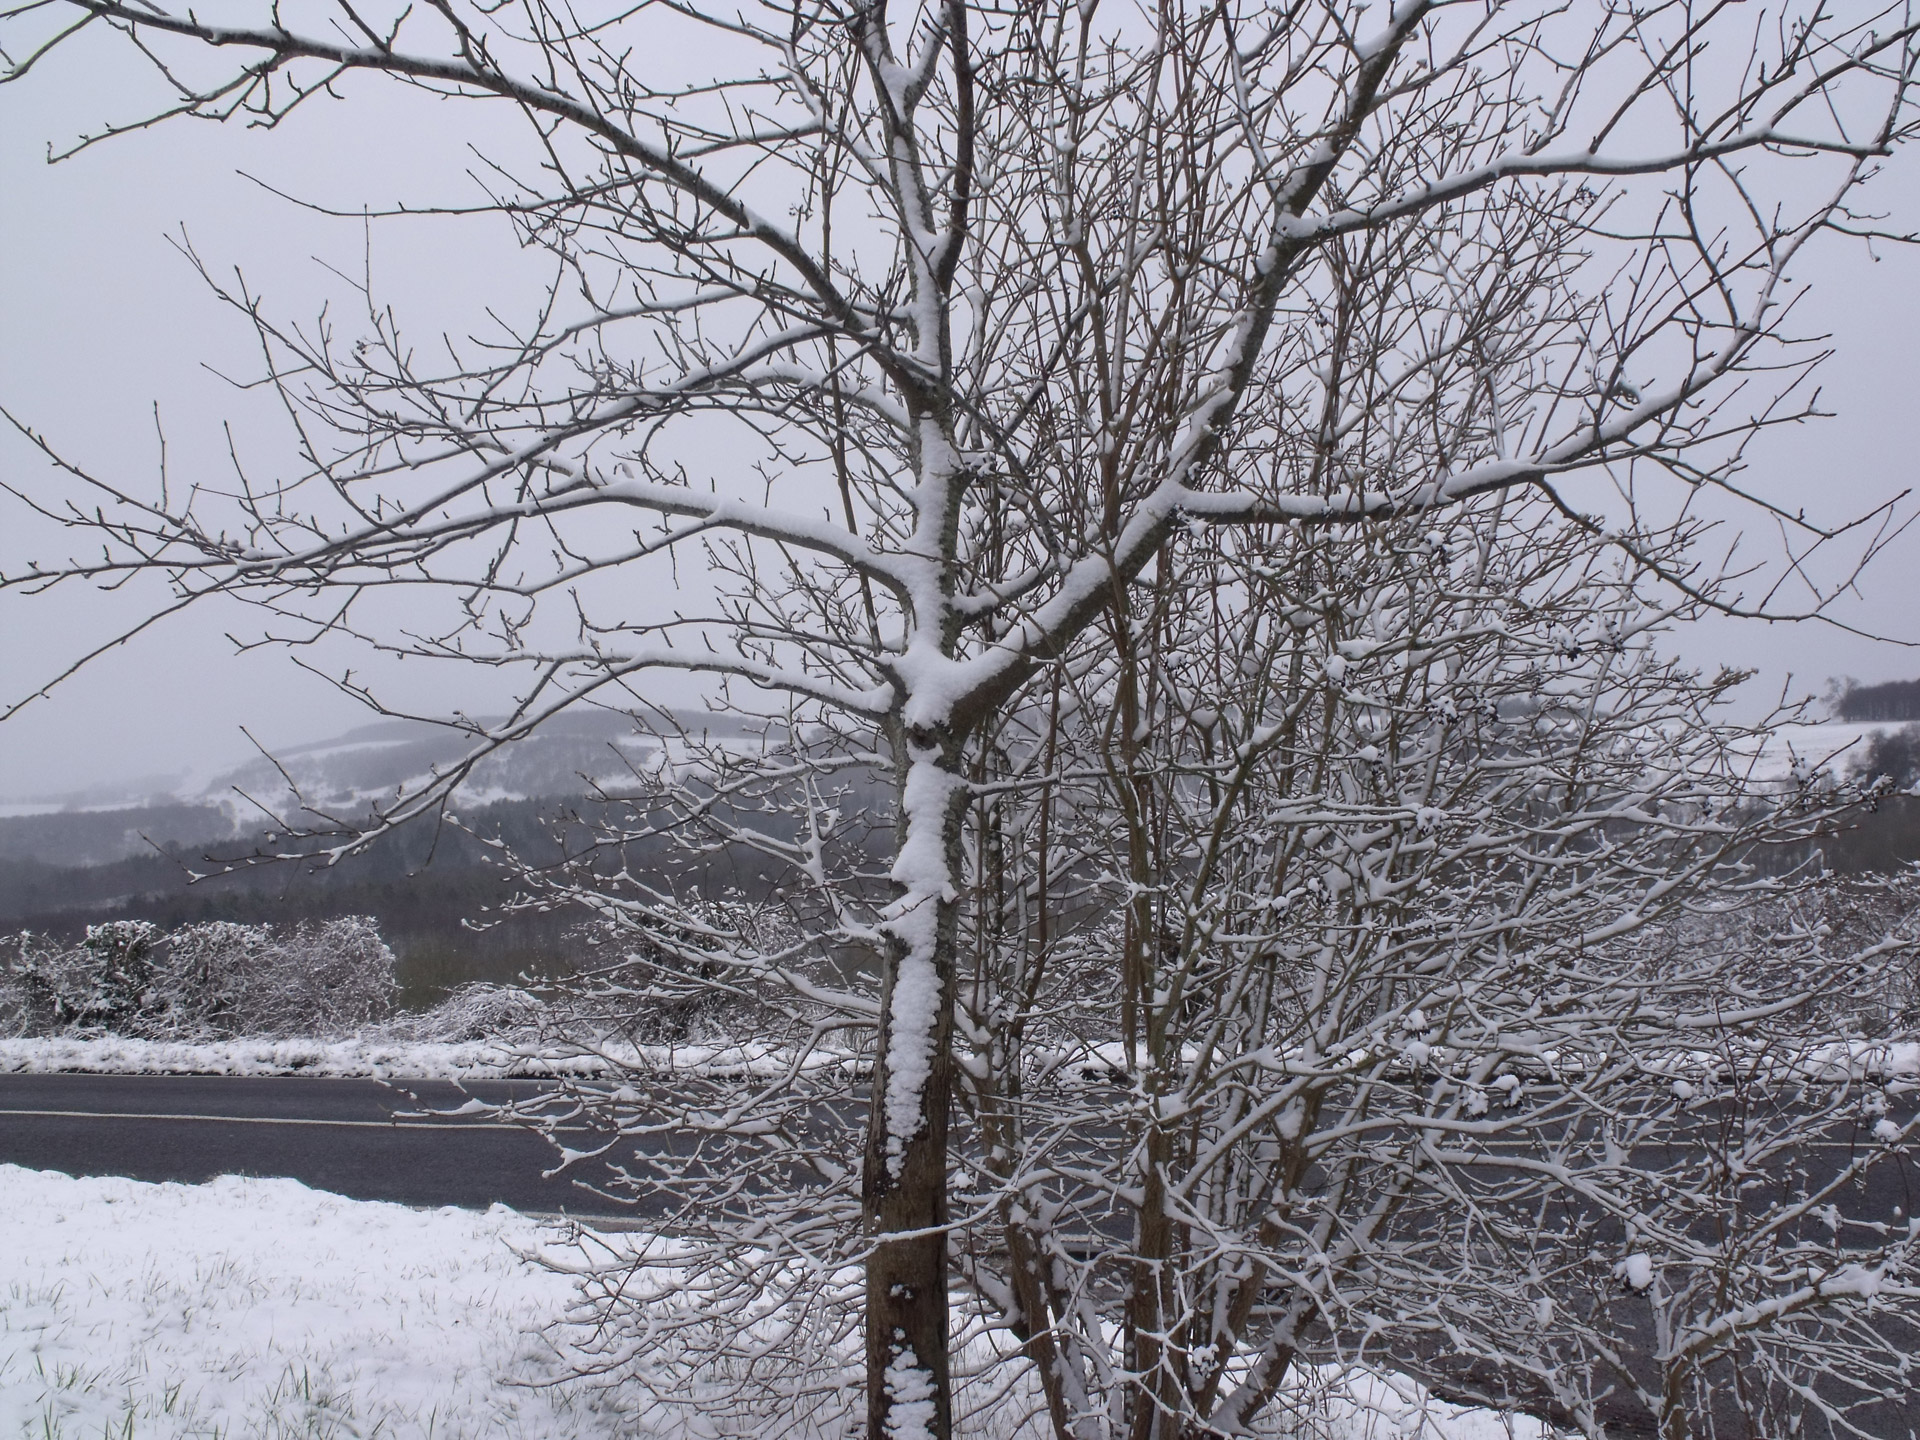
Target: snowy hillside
[(342, 775), (374, 761), (1841, 744), (561, 760)]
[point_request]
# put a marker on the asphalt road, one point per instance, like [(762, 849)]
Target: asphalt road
[(359, 1138), (375, 1140), (371, 1140)]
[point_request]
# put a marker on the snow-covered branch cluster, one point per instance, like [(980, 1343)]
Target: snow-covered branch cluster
[(1199, 489), (1427, 923)]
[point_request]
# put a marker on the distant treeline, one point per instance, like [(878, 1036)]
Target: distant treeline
[(98, 837), (1893, 700), (1875, 840), (426, 890), (439, 894), (440, 897)]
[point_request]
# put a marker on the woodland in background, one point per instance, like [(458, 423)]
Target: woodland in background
[(442, 903), (434, 891)]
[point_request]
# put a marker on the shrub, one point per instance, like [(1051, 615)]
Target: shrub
[(476, 1011), (201, 981), (106, 982)]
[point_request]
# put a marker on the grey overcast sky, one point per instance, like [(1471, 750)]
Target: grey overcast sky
[(102, 320)]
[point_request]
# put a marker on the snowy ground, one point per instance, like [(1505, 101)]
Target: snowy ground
[(387, 1059), (354, 1055), (1839, 744), (260, 1308), (381, 1057)]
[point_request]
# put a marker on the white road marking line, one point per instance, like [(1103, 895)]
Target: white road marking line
[(276, 1120)]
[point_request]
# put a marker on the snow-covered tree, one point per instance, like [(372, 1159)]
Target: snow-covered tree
[(940, 339), (1447, 980)]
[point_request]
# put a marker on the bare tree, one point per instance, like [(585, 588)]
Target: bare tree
[(1390, 835), (932, 333)]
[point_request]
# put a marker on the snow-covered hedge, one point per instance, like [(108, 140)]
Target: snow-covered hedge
[(205, 981)]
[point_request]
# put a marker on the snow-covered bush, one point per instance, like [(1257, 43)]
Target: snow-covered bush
[(28, 988), (119, 971), (218, 978), (209, 969), (479, 1011), (105, 982), (330, 975), (658, 987)]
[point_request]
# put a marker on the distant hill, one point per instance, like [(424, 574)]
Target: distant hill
[(60, 872), (427, 886), (62, 868), (566, 757), (1892, 701), (99, 837)]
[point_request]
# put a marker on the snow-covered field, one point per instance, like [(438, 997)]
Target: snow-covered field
[(1841, 744), (259, 1308)]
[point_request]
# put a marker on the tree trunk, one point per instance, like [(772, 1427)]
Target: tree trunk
[(904, 1189)]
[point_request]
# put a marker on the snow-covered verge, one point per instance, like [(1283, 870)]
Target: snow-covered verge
[(261, 1308), (479, 1032), (352, 1055), (382, 1057)]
